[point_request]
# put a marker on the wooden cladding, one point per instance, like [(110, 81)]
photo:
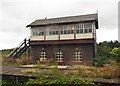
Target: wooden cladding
[(61, 32)]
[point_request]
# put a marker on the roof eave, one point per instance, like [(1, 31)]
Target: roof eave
[(30, 25)]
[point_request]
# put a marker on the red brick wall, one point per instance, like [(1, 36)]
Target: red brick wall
[(68, 52)]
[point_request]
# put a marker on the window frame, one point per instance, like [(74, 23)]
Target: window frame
[(88, 28), (43, 55), (79, 27), (59, 56), (78, 56)]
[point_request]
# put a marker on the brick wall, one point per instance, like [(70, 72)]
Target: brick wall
[(68, 52)]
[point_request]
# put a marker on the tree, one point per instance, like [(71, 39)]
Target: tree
[(116, 54), (103, 49), (106, 51)]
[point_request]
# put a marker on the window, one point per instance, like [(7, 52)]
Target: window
[(56, 32), (34, 33), (66, 29), (61, 32), (50, 33), (79, 28), (69, 31), (59, 56), (72, 31), (53, 32), (42, 55), (88, 28), (40, 33), (86, 31), (78, 56)]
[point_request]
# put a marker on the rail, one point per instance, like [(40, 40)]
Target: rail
[(20, 48)]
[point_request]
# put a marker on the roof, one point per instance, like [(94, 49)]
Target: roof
[(62, 20)]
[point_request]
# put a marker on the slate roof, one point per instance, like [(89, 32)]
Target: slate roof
[(62, 20)]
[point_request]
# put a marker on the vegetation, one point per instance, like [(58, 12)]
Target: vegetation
[(59, 80), (107, 52), (22, 60), (4, 82), (106, 65), (5, 52), (108, 71), (76, 74), (56, 76), (116, 54)]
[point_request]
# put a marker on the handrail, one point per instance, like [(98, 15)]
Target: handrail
[(16, 48), (21, 51), (24, 43)]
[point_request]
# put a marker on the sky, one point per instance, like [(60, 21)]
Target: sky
[(15, 15)]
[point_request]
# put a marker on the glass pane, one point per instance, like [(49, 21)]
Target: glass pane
[(72, 31), (65, 32), (68, 31), (86, 30), (53, 32), (42, 33), (77, 31), (81, 30), (61, 32), (90, 30), (56, 32)]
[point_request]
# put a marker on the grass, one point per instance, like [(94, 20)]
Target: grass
[(5, 52), (75, 74), (23, 59), (108, 71)]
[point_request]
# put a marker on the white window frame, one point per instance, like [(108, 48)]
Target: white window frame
[(87, 28), (78, 56), (59, 56), (42, 55), (66, 29), (79, 27)]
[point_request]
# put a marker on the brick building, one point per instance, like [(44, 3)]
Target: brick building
[(66, 40)]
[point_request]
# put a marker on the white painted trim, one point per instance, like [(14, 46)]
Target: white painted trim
[(37, 38), (52, 37), (85, 35), (67, 36)]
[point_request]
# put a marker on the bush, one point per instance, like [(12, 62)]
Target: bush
[(47, 79), (116, 54), (4, 82), (59, 80), (100, 61)]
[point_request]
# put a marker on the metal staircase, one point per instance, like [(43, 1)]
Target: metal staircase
[(20, 49)]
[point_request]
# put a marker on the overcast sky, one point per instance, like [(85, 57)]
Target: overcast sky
[(16, 14)]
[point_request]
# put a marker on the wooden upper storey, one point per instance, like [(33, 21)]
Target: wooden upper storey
[(65, 20), (72, 27)]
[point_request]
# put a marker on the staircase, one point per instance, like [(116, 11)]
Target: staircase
[(21, 48)]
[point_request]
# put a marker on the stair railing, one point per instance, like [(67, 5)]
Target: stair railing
[(22, 48), (23, 44)]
